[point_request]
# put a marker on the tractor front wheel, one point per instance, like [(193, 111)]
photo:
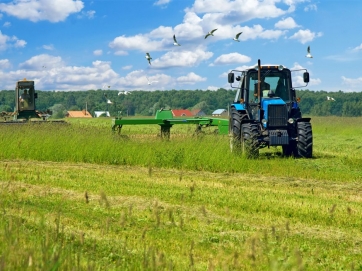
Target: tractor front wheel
[(304, 146)]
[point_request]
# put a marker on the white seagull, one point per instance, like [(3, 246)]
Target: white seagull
[(330, 98), (148, 57), (237, 36), (175, 41), (211, 33), (308, 53), (150, 82), (124, 92)]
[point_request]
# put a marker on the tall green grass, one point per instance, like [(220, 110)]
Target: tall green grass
[(337, 148)]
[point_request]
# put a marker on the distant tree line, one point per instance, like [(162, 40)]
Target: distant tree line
[(146, 103)]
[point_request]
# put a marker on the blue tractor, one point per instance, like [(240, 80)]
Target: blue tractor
[(265, 112)]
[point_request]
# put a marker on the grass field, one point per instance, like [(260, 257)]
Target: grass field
[(76, 197)]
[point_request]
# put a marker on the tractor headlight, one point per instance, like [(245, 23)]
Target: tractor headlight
[(264, 121), (291, 121)]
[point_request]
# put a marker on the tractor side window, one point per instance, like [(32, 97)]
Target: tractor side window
[(281, 89), (252, 91)]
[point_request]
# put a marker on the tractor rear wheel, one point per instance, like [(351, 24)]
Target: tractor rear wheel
[(250, 144), (304, 146), (235, 131)]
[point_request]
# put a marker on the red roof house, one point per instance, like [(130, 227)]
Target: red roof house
[(79, 114), (182, 113)]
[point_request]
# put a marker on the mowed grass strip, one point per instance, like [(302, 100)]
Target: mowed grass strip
[(147, 218)]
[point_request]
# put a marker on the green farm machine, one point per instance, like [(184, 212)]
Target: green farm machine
[(165, 119), (265, 112), (25, 109)]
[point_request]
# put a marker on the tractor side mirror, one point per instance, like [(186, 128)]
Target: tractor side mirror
[(306, 77), (35, 95), (231, 77)]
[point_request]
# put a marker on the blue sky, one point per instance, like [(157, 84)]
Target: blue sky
[(93, 44)]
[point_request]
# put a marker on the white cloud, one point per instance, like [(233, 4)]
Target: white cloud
[(128, 67), (4, 64), (37, 62), (354, 83), (287, 23), (137, 79), (304, 36), (88, 14), (161, 2), (358, 48), (181, 58), (231, 59), (121, 53), (97, 52), (297, 76), (138, 42), (7, 24), (42, 10), (212, 88), (51, 72), (6, 41), (311, 7), (19, 43), (236, 11), (194, 28), (190, 79), (49, 47)]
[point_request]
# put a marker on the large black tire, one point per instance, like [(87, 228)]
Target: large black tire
[(250, 144), (235, 131), (304, 146)]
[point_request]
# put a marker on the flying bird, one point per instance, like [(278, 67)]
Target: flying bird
[(108, 100), (124, 92), (175, 41), (148, 57), (308, 53), (330, 98), (150, 82), (211, 33), (237, 36)]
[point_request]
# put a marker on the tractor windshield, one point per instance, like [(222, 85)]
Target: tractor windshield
[(272, 82), (26, 98)]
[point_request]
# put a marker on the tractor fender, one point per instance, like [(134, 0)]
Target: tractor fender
[(303, 120), (239, 107)]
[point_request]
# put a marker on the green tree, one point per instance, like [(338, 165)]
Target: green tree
[(59, 111)]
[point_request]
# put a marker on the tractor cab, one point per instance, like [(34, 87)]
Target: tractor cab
[(25, 99), (273, 88)]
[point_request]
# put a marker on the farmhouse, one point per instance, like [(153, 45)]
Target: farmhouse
[(97, 114), (220, 112), (182, 113), (78, 114), (198, 113)]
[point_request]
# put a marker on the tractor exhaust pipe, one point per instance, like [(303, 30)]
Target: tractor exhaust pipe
[(259, 99)]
